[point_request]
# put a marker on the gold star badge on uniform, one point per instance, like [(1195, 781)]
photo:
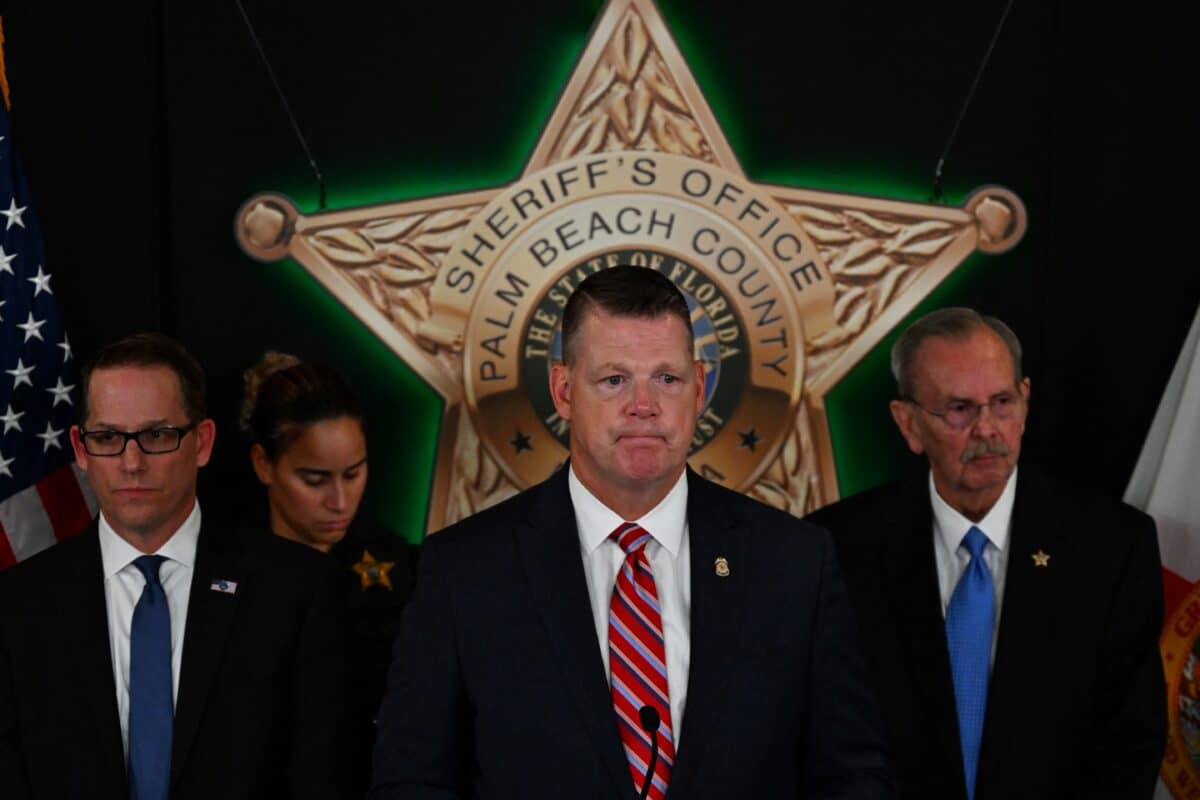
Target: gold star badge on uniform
[(1041, 559), (374, 573)]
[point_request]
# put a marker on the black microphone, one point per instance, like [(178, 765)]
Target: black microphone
[(650, 719)]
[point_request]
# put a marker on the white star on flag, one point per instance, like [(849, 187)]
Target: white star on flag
[(20, 374), (62, 394), (30, 326), (41, 282), (43, 496), (14, 214), (50, 437), (10, 419)]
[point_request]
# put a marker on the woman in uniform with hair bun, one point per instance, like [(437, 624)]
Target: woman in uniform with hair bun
[(309, 449)]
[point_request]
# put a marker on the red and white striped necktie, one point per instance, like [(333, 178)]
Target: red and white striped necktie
[(637, 659)]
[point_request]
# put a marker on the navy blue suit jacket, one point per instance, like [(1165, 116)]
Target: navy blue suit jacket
[(1076, 705), (260, 711), (498, 689)]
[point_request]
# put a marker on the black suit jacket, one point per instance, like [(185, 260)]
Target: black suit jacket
[(1076, 704), (498, 689), (259, 710)]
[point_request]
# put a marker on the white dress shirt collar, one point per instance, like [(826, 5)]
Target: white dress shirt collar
[(116, 553), (952, 526), (596, 521)]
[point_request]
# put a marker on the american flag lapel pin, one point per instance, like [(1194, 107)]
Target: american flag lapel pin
[(225, 587)]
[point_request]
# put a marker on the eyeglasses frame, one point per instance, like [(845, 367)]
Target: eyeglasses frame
[(183, 431), (1017, 396)]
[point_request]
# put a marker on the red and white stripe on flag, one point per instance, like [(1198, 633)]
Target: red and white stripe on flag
[(57, 507), (1164, 482)]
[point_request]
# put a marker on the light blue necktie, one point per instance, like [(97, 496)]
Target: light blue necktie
[(969, 637), (151, 708)]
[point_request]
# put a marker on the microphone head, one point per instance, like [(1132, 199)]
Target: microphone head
[(649, 718)]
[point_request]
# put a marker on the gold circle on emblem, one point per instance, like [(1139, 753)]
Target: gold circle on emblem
[(264, 225), (746, 267), (1000, 217), (1180, 648)]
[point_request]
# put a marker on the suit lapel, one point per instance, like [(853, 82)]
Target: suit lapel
[(913, 583), (1026, 618), (716, 614), (548, 547), (85, 624), (209, 617)]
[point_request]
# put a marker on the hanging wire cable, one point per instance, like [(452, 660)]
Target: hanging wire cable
[(312, 162), (941, 163)]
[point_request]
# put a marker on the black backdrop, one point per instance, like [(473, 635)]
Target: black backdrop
[(143, 126)]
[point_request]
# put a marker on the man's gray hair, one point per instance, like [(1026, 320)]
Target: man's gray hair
[(955, 324)]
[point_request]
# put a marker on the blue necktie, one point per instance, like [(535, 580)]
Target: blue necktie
[(151, 708), (969, 637)]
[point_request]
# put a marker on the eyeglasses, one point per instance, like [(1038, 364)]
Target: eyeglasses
[(962, 414), (152, 441)]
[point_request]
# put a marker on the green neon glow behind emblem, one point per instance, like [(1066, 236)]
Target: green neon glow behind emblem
[(404, 437)]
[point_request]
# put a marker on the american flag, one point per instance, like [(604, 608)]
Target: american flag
[(43, 498)]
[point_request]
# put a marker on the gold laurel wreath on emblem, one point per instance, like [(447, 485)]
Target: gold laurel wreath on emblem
[(632, 102), (875, 255), (631, 91)]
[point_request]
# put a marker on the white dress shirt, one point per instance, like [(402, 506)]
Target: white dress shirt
[(669, 555), (123, 585), (949, 528)]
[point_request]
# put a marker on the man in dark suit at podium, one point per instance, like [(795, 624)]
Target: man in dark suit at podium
[(553, 639), (1011, 622), (158, 654)]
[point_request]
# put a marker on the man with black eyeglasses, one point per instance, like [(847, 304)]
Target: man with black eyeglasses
[(1011, 621), (158, 654)]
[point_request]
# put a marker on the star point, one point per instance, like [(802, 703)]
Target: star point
[(21, 374), (6, 261), (62, 394), (41, 282), (50, 438), (14, 213), (374, 573), (750, 440), (65, 344), (32, 327), (520, 443), (4, 462), (10, 417)]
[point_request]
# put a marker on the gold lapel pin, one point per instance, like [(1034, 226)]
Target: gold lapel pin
[(722, 567), (1041, 559)]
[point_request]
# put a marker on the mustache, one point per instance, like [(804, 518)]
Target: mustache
[(986, 448)]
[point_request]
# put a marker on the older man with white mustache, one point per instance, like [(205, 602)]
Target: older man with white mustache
[(1011, 622)]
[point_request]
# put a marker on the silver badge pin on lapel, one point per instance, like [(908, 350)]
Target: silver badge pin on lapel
[(721, 566), (225, 587)]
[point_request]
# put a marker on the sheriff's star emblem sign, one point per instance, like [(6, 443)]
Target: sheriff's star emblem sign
[(788, 287)]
